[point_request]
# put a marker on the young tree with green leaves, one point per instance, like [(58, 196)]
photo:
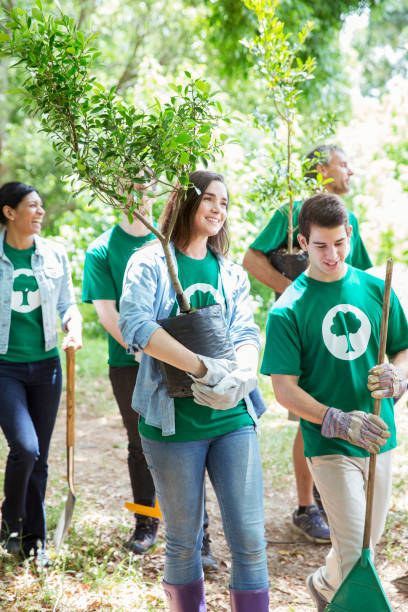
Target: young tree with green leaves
[(105, 141), (278, 60)]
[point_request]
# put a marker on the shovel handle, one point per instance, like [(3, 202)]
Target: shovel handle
[(377, 402), (70, 396)]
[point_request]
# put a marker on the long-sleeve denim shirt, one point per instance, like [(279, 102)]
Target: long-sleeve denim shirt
[(51, 270), (147, 297)]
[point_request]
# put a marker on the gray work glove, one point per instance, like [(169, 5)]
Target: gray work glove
[(216, 370), (386, 380), (228, 392), (358, 427)]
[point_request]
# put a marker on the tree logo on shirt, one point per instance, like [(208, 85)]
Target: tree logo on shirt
[(346, 331), (204, 288), (26, 295)]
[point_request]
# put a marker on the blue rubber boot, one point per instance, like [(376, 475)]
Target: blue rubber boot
[(186, 597), (250, 601)]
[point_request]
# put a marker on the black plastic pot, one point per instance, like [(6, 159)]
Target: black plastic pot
[(202, 331), (289, 264)]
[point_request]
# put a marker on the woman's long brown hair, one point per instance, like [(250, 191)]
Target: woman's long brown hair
[(181, 232)]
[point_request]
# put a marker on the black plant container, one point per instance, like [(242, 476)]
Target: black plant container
[(289, 264), (202, 331)]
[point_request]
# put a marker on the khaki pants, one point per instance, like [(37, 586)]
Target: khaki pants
[(342, 482)]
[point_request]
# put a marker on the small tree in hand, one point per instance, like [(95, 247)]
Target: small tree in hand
[(280, 66), (110, 145)]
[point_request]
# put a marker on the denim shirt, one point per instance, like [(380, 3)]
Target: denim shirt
[(51, 270), (147, 297)]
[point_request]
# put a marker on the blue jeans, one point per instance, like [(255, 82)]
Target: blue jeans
[(234, 466), (29, 398)]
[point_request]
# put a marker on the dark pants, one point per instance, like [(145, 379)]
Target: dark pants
[(29, 399), (123, 380)]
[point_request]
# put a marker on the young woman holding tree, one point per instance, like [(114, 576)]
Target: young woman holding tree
[(214, 430)]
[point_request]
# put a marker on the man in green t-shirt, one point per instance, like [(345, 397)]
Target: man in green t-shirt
[(330, 161), (322, 342), (105, 264)]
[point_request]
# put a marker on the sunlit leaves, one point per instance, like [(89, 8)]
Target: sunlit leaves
[(93, 130)]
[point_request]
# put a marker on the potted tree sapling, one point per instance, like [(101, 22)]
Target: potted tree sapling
[(278, 62), (109, 145)]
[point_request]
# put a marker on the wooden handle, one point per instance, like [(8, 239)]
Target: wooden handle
[(377, 402), (70, 396)]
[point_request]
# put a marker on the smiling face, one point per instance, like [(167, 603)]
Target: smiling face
[(26, 219), (327, 248), (211, 212), (338, 170)]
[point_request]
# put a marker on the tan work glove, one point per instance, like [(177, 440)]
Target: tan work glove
[(358, 427), (386, 380)]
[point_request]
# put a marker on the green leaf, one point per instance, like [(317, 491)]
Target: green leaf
[(202, 86), (4, 37), (37, 14), (176, 88), (188, 74), (70, 50), (183, 138), (17, 90), (184, 157)]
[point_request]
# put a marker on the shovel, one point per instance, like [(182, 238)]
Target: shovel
[(66, 516), (361, 589)]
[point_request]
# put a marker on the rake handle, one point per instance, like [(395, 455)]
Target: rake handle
[(377, 403)]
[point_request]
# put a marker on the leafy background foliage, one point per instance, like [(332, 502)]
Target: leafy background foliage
[(146, 46)]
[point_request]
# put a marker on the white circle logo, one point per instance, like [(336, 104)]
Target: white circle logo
[(346, 331), (26, 295), (204, 288)]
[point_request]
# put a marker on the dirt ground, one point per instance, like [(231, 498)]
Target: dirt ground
[(102, 482)]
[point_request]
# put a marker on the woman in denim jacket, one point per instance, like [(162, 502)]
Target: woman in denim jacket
[(35, 282), (215, 430)]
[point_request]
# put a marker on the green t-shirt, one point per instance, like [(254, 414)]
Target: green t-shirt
[(275, 236), (193, 421), (26, 339), (328, 335), (105, 264)]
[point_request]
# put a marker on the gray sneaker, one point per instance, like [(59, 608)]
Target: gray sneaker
[(312, 525), (320, 602), (208, 561)]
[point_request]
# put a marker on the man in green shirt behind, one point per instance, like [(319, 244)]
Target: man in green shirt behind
[(322, 342), (105, 265), (330, 161)]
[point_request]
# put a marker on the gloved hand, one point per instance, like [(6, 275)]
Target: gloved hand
[(228, 392), (359, 428), (386, 380), (216, 370)]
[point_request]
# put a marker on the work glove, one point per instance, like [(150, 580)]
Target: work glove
[(386, 380), (216, 370), (228, 392), (359, 428)]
